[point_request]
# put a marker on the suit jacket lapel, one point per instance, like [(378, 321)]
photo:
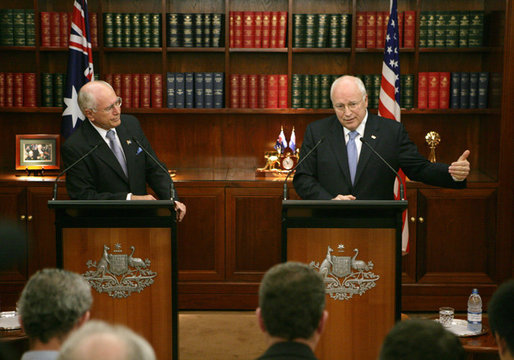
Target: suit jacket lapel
[(103, 152), (338, 144), (371, 135)]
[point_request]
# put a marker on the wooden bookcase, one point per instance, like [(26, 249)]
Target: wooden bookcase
[(458, 239)]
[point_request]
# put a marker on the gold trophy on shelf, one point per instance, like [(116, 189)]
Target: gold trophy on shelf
[(433, 139), (281, 161)]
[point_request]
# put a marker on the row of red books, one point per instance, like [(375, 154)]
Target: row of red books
[(258, 29), (433, 90), (372, 28), (137, 90), (55, 29), (17, 89), (258, 91)]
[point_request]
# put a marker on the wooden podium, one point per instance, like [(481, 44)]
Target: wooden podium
[(127, 252), (356, 246)]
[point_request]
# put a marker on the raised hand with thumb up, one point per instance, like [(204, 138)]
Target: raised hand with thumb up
[(459, 169)]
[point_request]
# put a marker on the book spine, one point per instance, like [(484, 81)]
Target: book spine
[(64, 29), (55, 29), (145, 90), (455, 90), (172, 29), (408, 91), (30, 28), (298, 30), (282, 91), (47, 89), (9, 89), (409, 29), (141, 30), (452, 30), (430, 28), (45, 27), (266, 29), (208, 90), (422, 90), (423, 29), (433, 90), (248, 29), (108, 28), (126, 90), (273, 38), (483, 83), (263, 90), (464, 90), (198, 25), (93, 28), (2, 88), (207, 30), (360, 38), (118, 29), (234, 91), (324, 96), (155, 34), (380, 33), (400, 28), (238, 29), (58, 82), (187, 31), (444, 90), (19, 27), (272, 91), (473, 90), (231, 31), (322, 33), (217, 30), (346, 30), (199, 90), (170, 90), (180, 91), (6, 27), (476, 29), (464, 28), (189, 86), (307, 91), (334, 30), (128, 37), (18, 89), (282, 29), (253, 91), (218, 89), (156, 90), (310, 29), (136, 90), (376, 90), (296, 88), (315, 91), (441, 20), (243, 91), (371, 29)]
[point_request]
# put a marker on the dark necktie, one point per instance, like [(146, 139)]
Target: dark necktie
[(353, 156), (116, 149)]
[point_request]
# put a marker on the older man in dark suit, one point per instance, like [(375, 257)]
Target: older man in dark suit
[(342, 168), (119, 168)]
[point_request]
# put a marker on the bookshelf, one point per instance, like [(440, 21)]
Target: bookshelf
[(220, 140)]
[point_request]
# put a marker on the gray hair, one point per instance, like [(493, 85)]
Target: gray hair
[(52, 302), (355, 79), (292, 300), (86, 98), (98, 340)]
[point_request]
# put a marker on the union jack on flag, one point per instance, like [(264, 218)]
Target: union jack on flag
[(389, 101), (80, 67)]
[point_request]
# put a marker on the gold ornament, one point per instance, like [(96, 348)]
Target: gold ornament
[(433, 139)]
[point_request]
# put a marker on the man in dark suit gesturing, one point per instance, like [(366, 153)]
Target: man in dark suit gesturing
[(343, 168), (119, 168)]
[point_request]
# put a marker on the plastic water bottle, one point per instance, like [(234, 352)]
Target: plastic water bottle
[(475, 312)]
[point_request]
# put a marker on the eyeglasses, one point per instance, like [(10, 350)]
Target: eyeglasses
[(117, 103), (351, 105)]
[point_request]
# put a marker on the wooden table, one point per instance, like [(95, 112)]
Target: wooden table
[(480, 347)]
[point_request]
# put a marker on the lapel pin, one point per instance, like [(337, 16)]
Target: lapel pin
[(129, 142), (373, 137)]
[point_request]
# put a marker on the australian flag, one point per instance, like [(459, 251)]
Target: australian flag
[(80, 67)]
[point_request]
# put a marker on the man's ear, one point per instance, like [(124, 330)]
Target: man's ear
[(83, 319), (322, 322), (260, 320)]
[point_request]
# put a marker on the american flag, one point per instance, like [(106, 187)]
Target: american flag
[(80, 67), (389, 101)]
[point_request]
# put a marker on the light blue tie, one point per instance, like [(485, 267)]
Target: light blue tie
[(115, 147), (353, 156)]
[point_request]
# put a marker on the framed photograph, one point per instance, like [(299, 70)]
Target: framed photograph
[(37, 152)]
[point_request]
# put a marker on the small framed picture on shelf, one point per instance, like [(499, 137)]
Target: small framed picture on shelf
[(37, 152)]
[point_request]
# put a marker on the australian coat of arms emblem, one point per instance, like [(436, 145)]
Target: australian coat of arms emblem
[(119, 274), (344, 275)]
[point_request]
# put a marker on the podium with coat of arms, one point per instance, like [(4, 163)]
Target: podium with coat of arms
[(126, 250), (356, 247)]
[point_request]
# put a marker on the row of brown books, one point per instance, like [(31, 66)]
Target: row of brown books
[(258, 91), (138, 90), (372, 28), (258, 29), (17, 89), (55, 28)]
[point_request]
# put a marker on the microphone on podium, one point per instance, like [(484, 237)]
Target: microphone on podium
[(72, 165), (364, 141), (298, 163)]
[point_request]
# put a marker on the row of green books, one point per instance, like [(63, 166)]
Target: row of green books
[(322, 30), (451, 29), (195, 30), (17, 27), (132, 29)]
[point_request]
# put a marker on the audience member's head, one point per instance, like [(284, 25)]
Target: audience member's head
[(98, 340), (292, 303), (421, 340), (501, 319), (52, 304)]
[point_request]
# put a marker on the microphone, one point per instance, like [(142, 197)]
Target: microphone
[(172, 186), (298, 163), (364, 141), (72, 165)]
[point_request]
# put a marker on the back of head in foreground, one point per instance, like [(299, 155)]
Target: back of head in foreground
[(421, 340), (98, 340), (291, 301), (54, 302), (501, 318)]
